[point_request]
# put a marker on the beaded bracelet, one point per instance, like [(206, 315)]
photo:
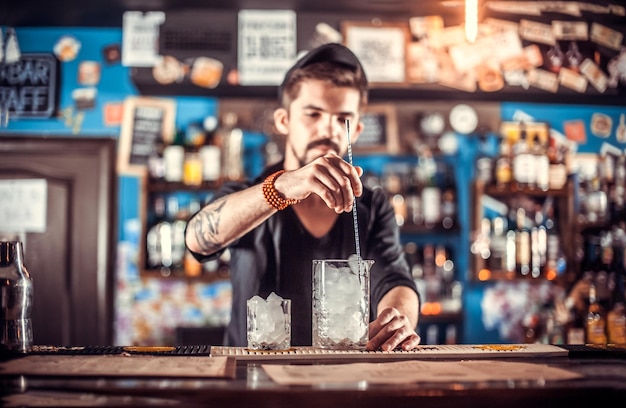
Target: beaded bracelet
[(273, 197)]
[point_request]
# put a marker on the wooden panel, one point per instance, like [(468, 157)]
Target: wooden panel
[(71, 262)]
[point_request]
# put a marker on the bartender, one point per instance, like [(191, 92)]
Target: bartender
[(300, 209)]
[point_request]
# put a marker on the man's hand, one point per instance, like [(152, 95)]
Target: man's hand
[(330, 177), (391, 330)]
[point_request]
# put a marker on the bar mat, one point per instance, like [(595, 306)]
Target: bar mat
[(421, 352), (593, 351), (108, 350)]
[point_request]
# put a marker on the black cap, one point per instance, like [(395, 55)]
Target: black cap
[(330, 52)]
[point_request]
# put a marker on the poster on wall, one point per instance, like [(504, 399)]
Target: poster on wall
[(23, 205), (140, 37), (267, 45)]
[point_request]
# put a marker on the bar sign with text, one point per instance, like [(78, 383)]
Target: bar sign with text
[(28, 88)]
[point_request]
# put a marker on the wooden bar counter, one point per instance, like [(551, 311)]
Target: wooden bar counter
[(529, 376)]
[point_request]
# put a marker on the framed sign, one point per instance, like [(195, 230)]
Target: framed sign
[(381, 48), (146, 123), (28, 88), (380, 130)]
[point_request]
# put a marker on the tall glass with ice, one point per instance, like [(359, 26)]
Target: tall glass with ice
[(341, 298)]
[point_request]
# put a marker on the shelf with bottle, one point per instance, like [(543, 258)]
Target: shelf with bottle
[(522, 236), (422, 191), (601, 192), (182, 177), (165, 254), (599, 295), (523, 207)]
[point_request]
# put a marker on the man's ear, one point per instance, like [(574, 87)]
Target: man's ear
[(354, 134), (281, 121)]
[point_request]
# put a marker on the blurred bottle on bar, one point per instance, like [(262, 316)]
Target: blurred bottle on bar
[(596, 319)]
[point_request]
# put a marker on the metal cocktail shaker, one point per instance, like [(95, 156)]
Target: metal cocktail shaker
[(16, 299)]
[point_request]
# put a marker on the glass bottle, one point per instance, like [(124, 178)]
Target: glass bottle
[(616, 323), (497, 245), (541, 164), (522, 243), (503, 171), (523, 171), (596, 320), (16, 298)]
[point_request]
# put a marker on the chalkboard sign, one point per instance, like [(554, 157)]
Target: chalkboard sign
[(147, 122), (380, 131), (28, 87)]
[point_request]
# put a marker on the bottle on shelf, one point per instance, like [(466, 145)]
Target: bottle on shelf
[(557, 177), (523, 169), (522, 243), (595, 320), (538, 244), (554, 253), (431, 192), (541, 164), (211, 151), (616, 321), (497, 245), (504, 166), (448, 200), (232, 139)]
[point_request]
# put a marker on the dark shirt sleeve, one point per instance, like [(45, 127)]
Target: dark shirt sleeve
[(391, 268)]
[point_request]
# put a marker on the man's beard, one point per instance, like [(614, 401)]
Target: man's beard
[(322, 142)]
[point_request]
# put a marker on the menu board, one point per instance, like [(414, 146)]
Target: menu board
[(380, 133), (147, 123)]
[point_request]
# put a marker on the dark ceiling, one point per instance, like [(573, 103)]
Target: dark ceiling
[(108, 13)]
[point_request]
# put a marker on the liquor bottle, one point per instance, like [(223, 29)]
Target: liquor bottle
[(618, 193), (511, 253), (596, 320), (558, 171), (553, 245), (537, 245), (541, 164), (504, 166), (211, 151), (16, 299), (431, 192), (497, 245), (523, 171), (448, 201), (616, 319), (232, 139), (522, 243), (484, 163)]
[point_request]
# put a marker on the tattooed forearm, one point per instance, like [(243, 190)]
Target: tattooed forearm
[(206, 227)]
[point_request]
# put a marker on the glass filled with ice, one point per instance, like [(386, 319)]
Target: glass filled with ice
[(269, 323), (341, 297)]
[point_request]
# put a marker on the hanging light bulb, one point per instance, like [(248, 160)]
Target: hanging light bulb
[(471, 20)]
